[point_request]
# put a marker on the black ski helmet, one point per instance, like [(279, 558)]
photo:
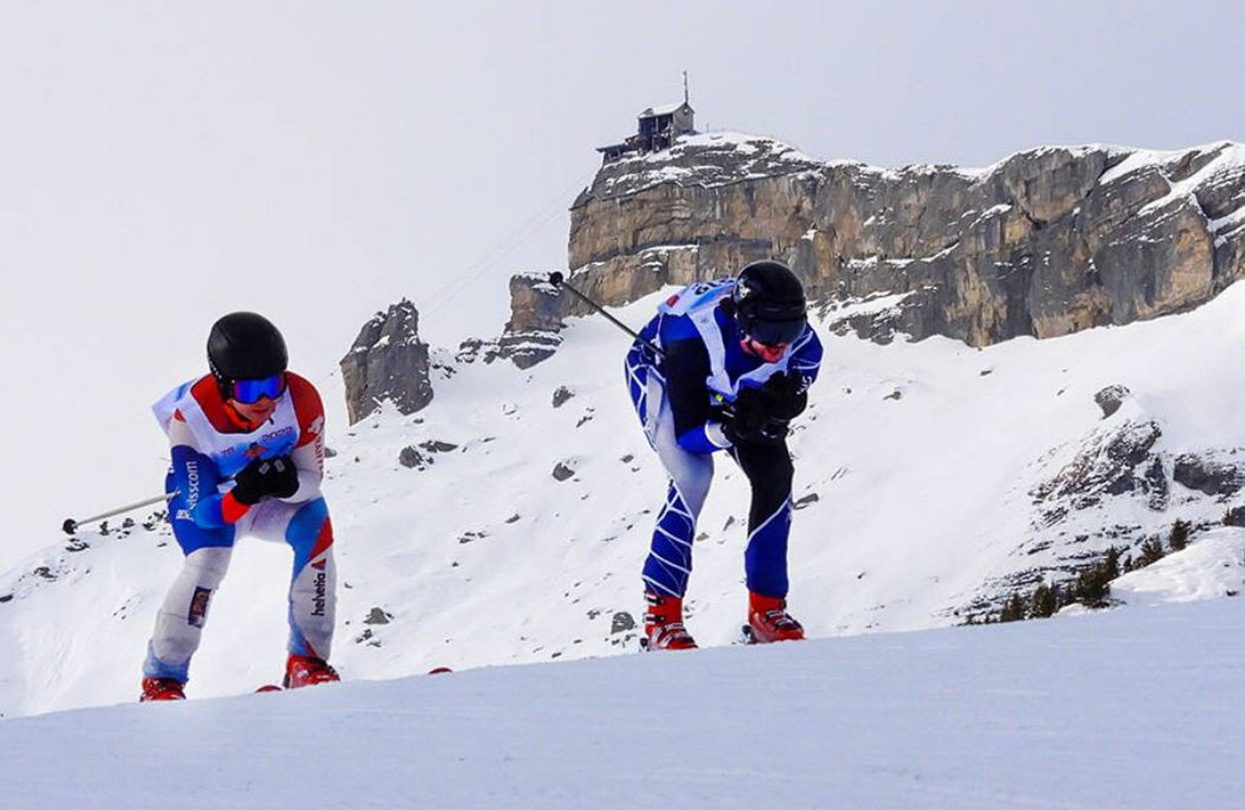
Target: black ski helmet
[(245, 346), (768, 303)]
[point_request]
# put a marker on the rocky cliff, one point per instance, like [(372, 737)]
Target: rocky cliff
[(388, 361), (1045, 243)]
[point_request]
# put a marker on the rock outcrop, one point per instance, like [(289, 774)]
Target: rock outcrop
[(1045, 243), (387, 362), (531, 335)]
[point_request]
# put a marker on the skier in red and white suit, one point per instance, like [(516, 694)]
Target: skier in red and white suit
[(247, 449)]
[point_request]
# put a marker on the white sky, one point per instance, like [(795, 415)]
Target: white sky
[(163, 163)]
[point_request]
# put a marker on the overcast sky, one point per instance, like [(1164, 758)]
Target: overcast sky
[(164, 163)]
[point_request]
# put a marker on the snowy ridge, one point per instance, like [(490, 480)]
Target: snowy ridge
[(514, 530)]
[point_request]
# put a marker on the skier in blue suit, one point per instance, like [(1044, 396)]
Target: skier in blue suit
[(724, 366)]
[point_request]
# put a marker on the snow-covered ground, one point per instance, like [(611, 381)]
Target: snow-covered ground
[(916, 468), (1135, 709)]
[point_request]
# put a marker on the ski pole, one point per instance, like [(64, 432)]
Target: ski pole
[(70, 525), (556, 279)]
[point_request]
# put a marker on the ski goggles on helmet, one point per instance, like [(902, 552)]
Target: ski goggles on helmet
[(248, 392), (769, 354), (774, 333)]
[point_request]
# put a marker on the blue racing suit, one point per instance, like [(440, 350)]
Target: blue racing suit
[(678, 396)]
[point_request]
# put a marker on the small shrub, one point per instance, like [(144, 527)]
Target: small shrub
[(1014, 610), (1044, 602), (1179, 537), (1151, 551)]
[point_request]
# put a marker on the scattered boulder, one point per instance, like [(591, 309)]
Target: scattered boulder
[(411, 458), (561, 396), (378, 616), (622, 622), (562, 471), (1111, 398), (806, 501)]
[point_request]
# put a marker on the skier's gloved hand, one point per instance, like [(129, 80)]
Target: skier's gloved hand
[(771, 431), (749, 420), (785, 395), (284, 480), (275, 476)]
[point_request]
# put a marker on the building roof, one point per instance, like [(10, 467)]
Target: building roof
[(664, 109)]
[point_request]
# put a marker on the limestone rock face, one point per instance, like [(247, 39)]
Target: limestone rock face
[(387, 362), (1047, 242), (531, 335)]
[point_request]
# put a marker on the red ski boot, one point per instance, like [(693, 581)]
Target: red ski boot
[(161, 689), (663, 624), (303, 670), (768, 620)]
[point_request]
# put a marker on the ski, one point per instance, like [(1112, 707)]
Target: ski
[(272, 687)]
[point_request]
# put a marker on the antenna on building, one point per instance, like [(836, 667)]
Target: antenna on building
[(686, 95)]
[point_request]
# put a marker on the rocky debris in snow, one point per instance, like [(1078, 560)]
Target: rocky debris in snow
[(1111, 398), (562, 471), (411, 458), (621, 622), (562, 395), (807, 500), (378, 616), (367, 637)]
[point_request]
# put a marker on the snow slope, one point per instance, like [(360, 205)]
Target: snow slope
[(916, 469), (1132, 709)]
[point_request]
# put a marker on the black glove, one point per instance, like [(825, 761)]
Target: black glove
[(748, 420), (275, 476), (785, 395)]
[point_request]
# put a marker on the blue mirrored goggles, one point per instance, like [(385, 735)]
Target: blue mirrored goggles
[(249, 392)]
